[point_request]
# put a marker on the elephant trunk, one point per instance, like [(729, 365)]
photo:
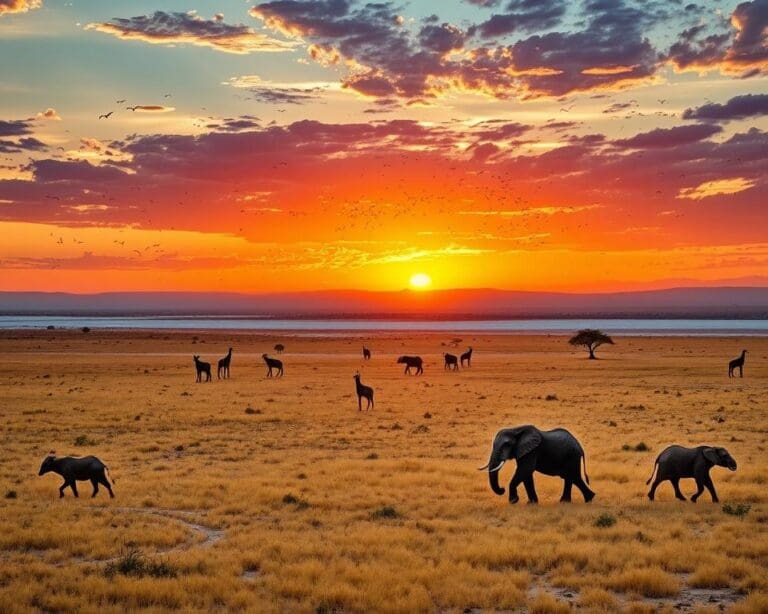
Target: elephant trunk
[(493, 472)]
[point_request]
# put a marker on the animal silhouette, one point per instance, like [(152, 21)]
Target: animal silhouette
[(223, 368), (279, 348), (451, 362), (363, 392), (676, 462), (366, 353), (468, 357), (737, 363), (273, 363), (73, 469), (411, 361), (202, 367)]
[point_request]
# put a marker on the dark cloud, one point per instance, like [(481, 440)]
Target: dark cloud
[(522, 15), (738, 107), (669, 137), (189, 28), (286, 95), (15, 127), (48, 171), (14, 136)]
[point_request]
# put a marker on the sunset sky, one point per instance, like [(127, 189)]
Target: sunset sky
[(297, 145)]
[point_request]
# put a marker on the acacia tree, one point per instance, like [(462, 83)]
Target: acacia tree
[(591, 339)]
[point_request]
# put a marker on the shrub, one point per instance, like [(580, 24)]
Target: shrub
[(11, 494), (84, 440), (133, 562), (739, 510), (550, 397), (300, 504), (641, 447), (85, 329), (605, 520), (387, 512)]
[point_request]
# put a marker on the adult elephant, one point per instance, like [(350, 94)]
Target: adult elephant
[(554, 452)]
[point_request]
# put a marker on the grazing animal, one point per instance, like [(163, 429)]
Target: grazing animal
[(737, 363), (363, 392), (273, 363), (279, 348), (73, 469), (366, 353), (202, 367), (554, 452), (468, 357), (451, 362), (411, 361), (677, 462), (222, 370)]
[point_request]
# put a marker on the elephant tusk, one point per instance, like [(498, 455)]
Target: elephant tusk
[(499, 466), (484, 467)]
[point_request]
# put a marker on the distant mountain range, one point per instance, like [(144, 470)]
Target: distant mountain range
[(719, 302)]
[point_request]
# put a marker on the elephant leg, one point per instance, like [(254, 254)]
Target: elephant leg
[(654, 486), (585, 490), (699, 490), (711, 488), (567, 485), (676, 486), (95, 484), (530, 489), (73, 486), (103, 480), (62, 487), (525, 467)]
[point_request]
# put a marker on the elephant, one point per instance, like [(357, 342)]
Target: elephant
[(677, 462), (554, 452), (73, 469)]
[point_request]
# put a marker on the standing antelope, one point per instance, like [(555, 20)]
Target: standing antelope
[(468, 357), (223, 369), (363, 391), (366, 353), (273, 363), (202, 367), (737, 363)]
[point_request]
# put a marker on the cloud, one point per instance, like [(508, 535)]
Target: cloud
[(738, 107), (717, 187), (738, 45), (547, 211), (189, 28), (522, 15), (384, 59), (15, 127), (151, 108), (49, 114), (18, 6), (14, 136), (669, 137)]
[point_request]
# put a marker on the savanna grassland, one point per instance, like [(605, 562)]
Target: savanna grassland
[(278, 495)]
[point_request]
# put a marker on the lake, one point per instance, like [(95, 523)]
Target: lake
[(337, 326)]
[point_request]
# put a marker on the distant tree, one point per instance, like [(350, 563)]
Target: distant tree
[(591, 339)]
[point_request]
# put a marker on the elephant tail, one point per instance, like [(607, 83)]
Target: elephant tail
[(107, 471), (584, 460), (655, 464)]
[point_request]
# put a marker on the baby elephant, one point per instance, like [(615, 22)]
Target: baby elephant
[(73, 469), (678, 462)]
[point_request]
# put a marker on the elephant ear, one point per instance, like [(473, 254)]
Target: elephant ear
[(711, 455), (528, 441)]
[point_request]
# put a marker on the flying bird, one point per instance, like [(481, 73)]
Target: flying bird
[(106, 115), (120, 101)]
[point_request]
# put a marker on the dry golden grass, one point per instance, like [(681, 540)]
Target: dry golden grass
[(386, 510)]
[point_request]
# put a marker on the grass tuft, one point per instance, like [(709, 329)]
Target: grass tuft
[(605, 520), (740, 510), (84, 440), (387, 512), (132, 562)]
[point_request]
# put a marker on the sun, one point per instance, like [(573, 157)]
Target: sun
[(420, 281)]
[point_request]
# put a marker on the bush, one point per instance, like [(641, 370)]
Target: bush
[(11, 494), (132, 562), (605, 520), (301, 504), (387, 512), (85, 329), (641, 447), (739, 510), (84, 440), (550, 397)]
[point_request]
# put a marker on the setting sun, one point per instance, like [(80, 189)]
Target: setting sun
[(420, 281)]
